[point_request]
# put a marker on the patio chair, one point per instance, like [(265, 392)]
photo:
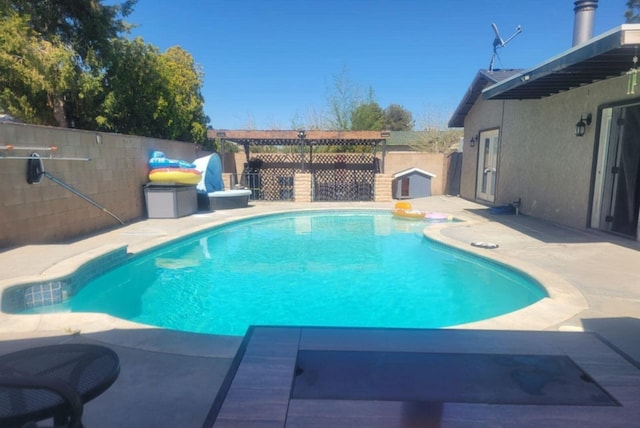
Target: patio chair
[(53, 382), (25, 399)]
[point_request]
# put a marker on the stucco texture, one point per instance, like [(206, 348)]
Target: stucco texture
[(540, 159)]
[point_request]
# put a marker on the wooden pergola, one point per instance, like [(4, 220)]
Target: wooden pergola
[(285, 138), (301, 138), (331, 172)]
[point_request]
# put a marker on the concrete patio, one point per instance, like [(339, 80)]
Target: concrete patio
[(171, 378)]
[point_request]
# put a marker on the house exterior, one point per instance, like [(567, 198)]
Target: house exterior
[(562, 138)]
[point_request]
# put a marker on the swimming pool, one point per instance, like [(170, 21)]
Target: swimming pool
[(330, 268)]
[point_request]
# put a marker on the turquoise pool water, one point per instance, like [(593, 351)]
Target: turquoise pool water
[(331, 268)]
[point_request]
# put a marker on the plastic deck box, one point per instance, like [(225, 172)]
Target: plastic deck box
[(167, 201)]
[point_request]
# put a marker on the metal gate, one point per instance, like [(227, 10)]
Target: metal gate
[(335, 176), (343, 176), (269, 176)]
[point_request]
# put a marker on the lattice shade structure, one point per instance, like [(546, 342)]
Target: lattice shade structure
[(335, 176)]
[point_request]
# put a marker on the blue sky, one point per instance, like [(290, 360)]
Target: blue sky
[(268, 62)]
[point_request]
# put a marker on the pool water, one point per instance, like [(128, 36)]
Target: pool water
[(331, 268)]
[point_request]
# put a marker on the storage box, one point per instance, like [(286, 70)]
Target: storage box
[(166, 201)]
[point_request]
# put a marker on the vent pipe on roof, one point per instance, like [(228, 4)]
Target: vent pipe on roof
[(585, 13)]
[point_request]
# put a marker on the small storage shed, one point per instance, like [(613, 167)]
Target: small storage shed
[(411, 183)]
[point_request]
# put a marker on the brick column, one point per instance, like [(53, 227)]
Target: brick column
[(382, 189), (302, 187)]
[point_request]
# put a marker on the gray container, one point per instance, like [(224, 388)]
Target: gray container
[(164, 201)]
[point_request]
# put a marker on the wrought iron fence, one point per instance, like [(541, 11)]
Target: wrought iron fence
[(335, 177), (343, 177), (269, 176)]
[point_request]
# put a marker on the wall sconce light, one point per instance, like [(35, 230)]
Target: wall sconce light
[(473, 141), (582, 124), (302, 134)]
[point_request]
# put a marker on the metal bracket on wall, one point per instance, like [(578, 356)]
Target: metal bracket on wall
[(50, 149), (35, 172)]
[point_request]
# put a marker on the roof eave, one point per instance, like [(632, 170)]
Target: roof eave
[(569, 69), (480, 81)]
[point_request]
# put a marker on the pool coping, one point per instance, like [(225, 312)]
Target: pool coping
[(564, 301)]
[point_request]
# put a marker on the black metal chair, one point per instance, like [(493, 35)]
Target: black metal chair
[(54, 382)]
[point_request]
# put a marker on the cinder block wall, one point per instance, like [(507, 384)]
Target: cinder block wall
[(114, 177)]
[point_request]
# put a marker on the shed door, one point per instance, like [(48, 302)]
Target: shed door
[(487, 165), (404, 187)]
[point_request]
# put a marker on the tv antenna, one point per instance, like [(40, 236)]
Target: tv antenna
[(499, 42)]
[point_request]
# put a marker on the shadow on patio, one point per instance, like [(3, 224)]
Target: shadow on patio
[(167, 378), (621, 333), (552, 233)]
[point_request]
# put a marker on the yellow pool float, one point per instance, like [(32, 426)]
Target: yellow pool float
[(175, 175), (405, 210)]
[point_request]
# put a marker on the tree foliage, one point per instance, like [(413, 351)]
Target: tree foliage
[(181, 105), (437, 140), (134, 87), (342, 100), (632, 14), (67, 63), (33, 72), (368, 117), (87, 26), (397, 118)]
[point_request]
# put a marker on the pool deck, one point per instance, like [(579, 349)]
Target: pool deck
[(171, 378)]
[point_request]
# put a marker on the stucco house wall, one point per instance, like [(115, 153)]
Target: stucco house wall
[(484, 115), (540, 160)]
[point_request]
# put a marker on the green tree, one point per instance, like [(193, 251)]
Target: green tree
[(34, 73), (64, 44), (397, 118), (181, 106), (632, 14), (153, 94), (65, 63), (135, 86), (368, 117), (87, 26)]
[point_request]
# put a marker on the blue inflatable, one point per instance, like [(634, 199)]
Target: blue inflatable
[(159, 160), (211, 169)]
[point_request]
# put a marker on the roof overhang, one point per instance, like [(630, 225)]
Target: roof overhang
[(482, 79), (411, 171), (609, 55)]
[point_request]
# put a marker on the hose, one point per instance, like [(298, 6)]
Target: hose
[(35, 172)]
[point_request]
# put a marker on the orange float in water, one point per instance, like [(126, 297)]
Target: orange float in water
[(405, 210)]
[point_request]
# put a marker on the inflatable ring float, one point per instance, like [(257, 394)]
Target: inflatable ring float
[(175, 175), (159, 160), (405, 210)]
